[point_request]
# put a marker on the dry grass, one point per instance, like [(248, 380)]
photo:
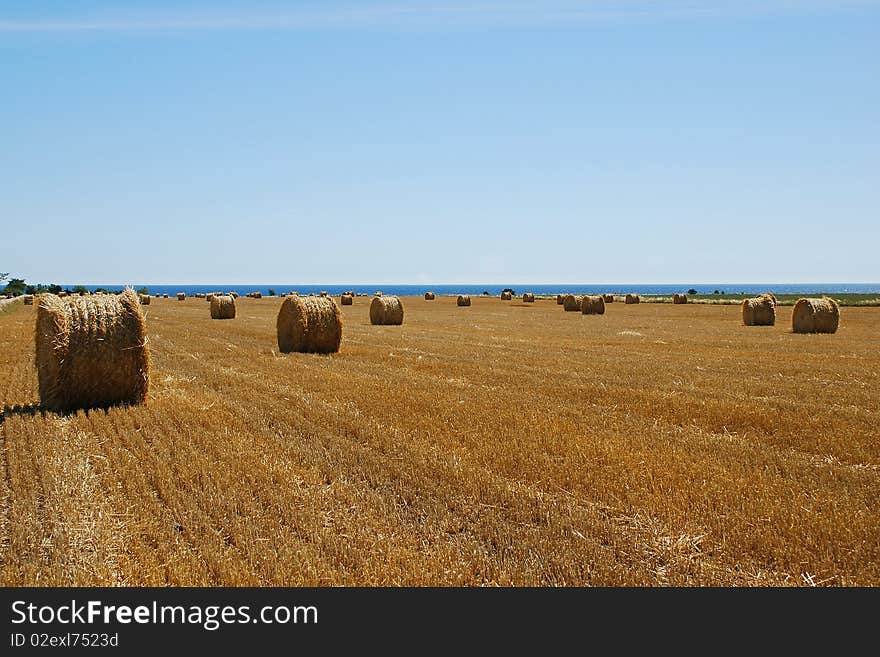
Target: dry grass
[(713, 454)]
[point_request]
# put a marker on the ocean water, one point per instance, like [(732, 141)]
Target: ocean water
[(542, 289)]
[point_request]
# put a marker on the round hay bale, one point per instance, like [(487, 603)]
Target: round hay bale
[(528, 297), (560, 299), (309, 325), (377, 293), (157, 295), (323, 293), (28, 299), (386, 310), (181, 296), (222, 307), (234, 295), (506, 296), (679, 298), (347, 299), (464, 300), (91, 352), (760, 311), (608, 298), (815, 316), (572, 302), (593, 305), (144, 299), (209, 297), (257, 295), (429, 296), (164, 296), (632, 298)]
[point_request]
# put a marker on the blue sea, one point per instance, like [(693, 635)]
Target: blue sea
[(541, 289)]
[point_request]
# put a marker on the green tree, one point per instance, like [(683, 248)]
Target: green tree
[(15, 286), (80, 289)]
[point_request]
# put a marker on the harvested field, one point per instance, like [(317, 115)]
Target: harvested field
[(714, 454)]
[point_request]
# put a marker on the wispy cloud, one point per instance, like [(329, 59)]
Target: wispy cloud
[(501, 13)]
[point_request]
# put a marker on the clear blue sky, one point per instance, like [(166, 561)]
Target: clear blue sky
[(493, 141)]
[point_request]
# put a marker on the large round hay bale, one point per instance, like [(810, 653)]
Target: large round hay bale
[(560, 299), (632, 298), (572, 302), (679, 298), (144, 299), (347, 299), (815, 316), (309, 324), (386, 310), (608, 298), (181, 296), (222, 307), (91, 352), (464, 300), (760, 311), (593, 305), (28, 299), (528, 297), (506, 295), (429, 296)]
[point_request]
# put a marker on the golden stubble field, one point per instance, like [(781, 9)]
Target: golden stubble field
[(501, 444)]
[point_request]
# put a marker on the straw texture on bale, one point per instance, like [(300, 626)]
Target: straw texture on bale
[(429, 296), (632, 298), (593, 305), (309, 325), (679, 298), (323, 293), (386, 310), (560, 299), (181, 296), (145, 299), (572, 302), (209, 297), (347, 299), (506, 296), (528, 297), (28, 299), (772, 296), (91, 352), (815, 316), (378, 293), (464, 300), (222, 307), (608, 298), (760, 311)]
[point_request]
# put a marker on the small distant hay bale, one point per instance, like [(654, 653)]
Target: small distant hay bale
[(572, 302), (164, 296), (528, 297), (632, 298), (144, 299), (760, 311), (292, 293), (64, 293), (323, 293), (222, 307), (815, 316), (209, 297), (91, 352), (28, 299), (679, 298), (386, 310), (258, 295), (560, 299), (464, 300), (429, 296), (506, 295), (309, 325), (234, 295), (608, 298), (347, 299), (593, 305), (181, 296), (377, 293)]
